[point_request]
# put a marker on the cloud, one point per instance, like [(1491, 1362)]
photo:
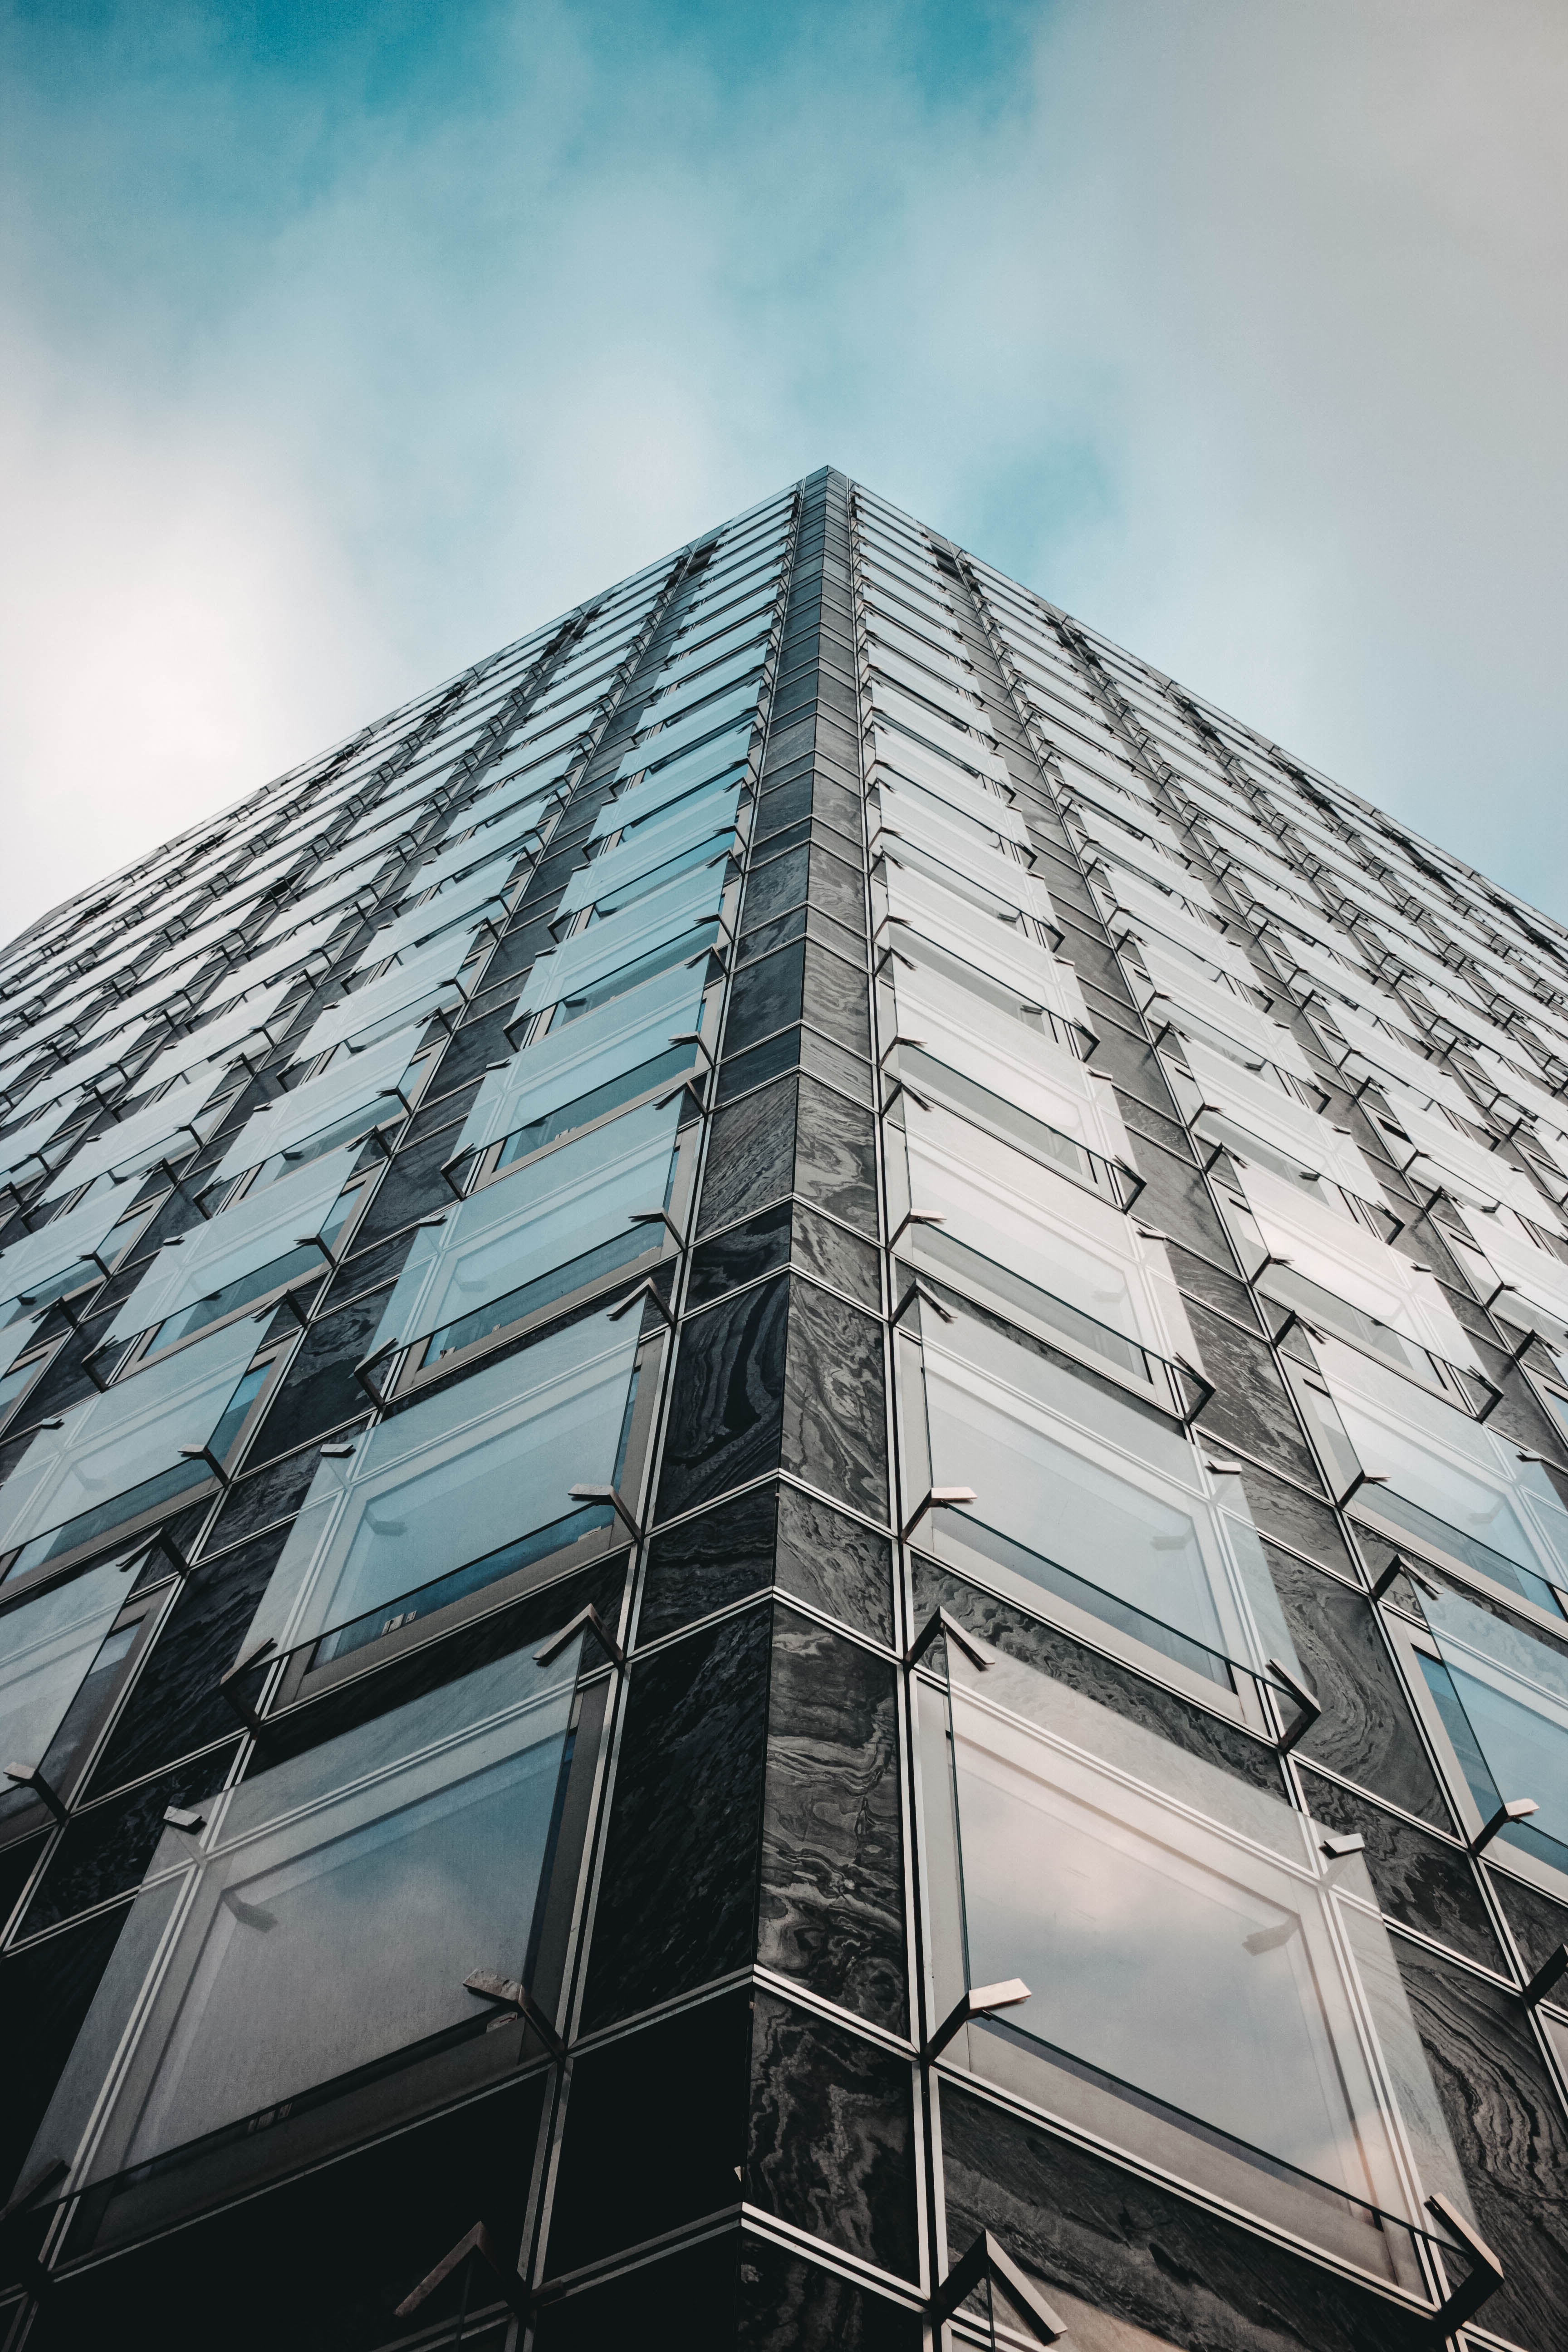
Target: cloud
[(345, 356)]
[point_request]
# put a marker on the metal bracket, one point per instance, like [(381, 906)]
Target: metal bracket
[(476, 2247), (31, 1776), (587, 1620), (1309, 1705), (1547, 1978), (366, 1365), (646, 1289), (230, 1694), (980, 2000), (510, 1992), (204, 1453), (941, 1498), (617, 1503), (1486, 2276), (1514, 1809), (989, 2259), (940, 1622)]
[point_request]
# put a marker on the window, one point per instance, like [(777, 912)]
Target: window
[(584, 1214), (1439, 1480), (79, 1247), (117, 1459), (354, 1094), (697, 831), (1204, 1991), (717, 716), (64, 1656), (428, 981), (273, 1237), (465, 902), (724, 758), (190, 1058), (448, 1498), (294, 1971), (127, 1148), (1122, 1546), (679, 690), (584, 1070), (680, 921)]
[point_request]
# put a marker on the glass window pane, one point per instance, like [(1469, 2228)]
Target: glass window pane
[(216, 1040), (457, 1481), (356, 1086), (47, 1646), (719, 719), (127, 1147), (723, 759), (412, 991), (571, 970), (74, 1482), (568, 1070), (264, 1231), (418, 1842), (461, 901), (513, 1248), (699, 827)]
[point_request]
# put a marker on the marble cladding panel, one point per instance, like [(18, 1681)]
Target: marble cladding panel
[(356, 2235), (788, 2304), (319, 1391), (752, 1154), (45, 1994), (1419, 1880), (1510, 2135), (1252, 1407), (835, 1155), (1112, 1685), (656, 2129), (1539, 1925), (1141, 2253), (836, 1000), (175, 1706), (1366, 1732), (685, 2298), (832, 1908), (728, 1397), (787, 1233), (834, 1431), (677, 1895), (831, 2144)]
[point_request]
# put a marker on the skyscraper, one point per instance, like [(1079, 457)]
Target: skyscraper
[(784, 1556)]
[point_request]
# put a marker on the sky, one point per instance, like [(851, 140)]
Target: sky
[(343, 342)]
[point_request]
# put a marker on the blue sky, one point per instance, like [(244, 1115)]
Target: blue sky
[(343, 342)]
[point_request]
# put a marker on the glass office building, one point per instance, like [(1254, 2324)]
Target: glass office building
[(784, 1518)]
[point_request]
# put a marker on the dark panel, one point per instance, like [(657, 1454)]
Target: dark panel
[(1302, 1522), (257, 1500), (836, 1000), (1142, 2253), (685, 2298), (43, 1996), (656, 2127), (835, 1431), (832, 2143), (1419, 1881), (765, 996), (1510, 2133), (790, 2305), (678, 1897), (772, 887), (319, 1389), (104, 1852), (836, 1156), (175, 1706), (727, 1403), (832, 1910), (1051, 1652), (1367, 1731), (708, 1562), (1176, 1199), (1253, 1407), (1540, 1925), (322, 2264), (762, 1245), (839, 1566), (751, 1155)]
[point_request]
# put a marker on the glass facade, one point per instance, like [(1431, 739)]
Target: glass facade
[(784, 1518)]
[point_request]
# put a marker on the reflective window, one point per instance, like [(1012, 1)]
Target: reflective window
[(417, 1846), (114, 1458), (720, 716), (582, 1070), (1501, 1694), (455, 1492), (127, 1147), (1197, 1993), (682, 917), (461, 902), (694, 830), (49, 1647), (516, 1248), (271, 1237), (412, 991), (724, 758), (680, 692), (354, 1094)]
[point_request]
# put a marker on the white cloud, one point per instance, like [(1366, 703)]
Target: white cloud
[(1237, 328)]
